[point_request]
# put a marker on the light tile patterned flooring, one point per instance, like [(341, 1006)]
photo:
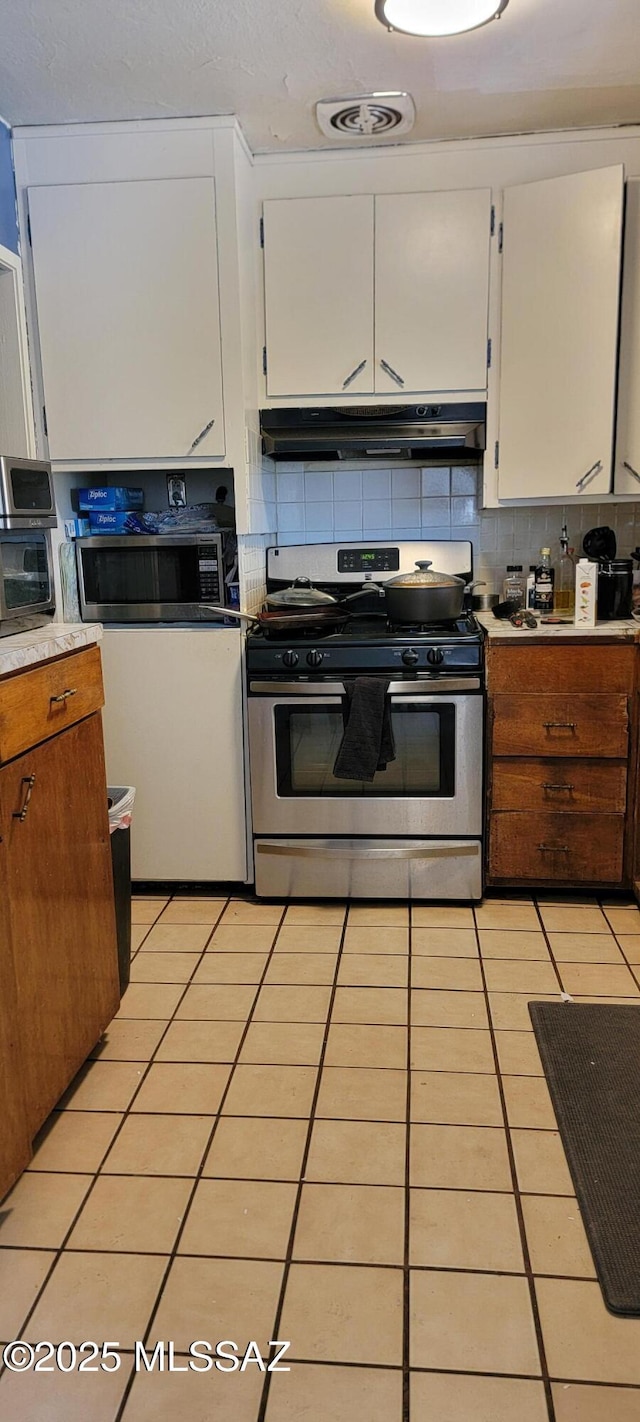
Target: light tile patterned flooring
[(332, 1128)]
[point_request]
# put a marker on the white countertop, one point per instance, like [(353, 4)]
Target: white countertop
[(26, 649), (627, 630)]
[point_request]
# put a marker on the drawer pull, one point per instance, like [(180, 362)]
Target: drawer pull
[(560, 725), (568, 788), (28, 782), (553, 848), (64, 695)]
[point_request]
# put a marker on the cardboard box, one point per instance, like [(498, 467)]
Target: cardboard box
[(109, 500), (118, 521), (586, 593)]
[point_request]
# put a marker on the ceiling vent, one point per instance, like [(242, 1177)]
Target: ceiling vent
[(366, 116)]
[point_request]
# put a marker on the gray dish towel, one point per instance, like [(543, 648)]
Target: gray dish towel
[(367, 744)]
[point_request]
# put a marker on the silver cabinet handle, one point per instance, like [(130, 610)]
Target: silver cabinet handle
[(199, 438), (359, 368), (569, 788), (553, 848), (590, 474), (28, 781), (631, 469), (559, 725), (64, 695), (393, 373)]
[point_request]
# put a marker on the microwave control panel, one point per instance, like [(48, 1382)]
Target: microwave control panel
[(209, 575)]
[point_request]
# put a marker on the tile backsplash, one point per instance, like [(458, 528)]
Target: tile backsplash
[(321, 504)]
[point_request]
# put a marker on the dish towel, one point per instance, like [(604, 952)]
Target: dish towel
[(367, 743)]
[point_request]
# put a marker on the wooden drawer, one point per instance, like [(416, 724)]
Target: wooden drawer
[(35, 705), (561, 725), (532, 668), (571, 786), (560, 847)]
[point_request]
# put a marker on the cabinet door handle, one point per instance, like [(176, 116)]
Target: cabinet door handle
[(559, 725), (199, 437), (393, 373), (590, 474), (358, 370), (64, 695), (631, 469), (568, 788), (28, 782), (553, 848)]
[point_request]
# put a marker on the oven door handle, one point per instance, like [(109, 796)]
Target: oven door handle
[(425, 687), (301, 851)]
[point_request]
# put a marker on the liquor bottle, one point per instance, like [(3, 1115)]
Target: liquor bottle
[(545, 579)]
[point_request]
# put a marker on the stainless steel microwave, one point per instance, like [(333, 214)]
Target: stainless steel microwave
[(26, 493), (26, 579), (155, 577)]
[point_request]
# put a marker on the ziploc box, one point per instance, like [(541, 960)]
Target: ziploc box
[(109, 500), (118, 521), (586, 593)]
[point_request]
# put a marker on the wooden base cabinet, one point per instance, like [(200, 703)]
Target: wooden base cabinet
[(58, 966), (558, 757)]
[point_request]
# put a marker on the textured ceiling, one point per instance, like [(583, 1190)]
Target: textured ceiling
[(545, 64)]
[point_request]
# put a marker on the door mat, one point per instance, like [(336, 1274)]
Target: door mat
[(591, 1058)]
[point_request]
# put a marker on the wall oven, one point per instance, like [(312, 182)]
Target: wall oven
[(155, 577), (412, 832)]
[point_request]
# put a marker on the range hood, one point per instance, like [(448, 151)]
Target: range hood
[(431, 433)]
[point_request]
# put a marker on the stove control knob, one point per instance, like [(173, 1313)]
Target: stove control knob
[(290, 659), (410, 657), (315, 659), (435, 656)]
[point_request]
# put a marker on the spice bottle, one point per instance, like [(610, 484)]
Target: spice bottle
[(513, 588)]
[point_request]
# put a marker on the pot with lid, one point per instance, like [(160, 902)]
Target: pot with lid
[(424, 596)]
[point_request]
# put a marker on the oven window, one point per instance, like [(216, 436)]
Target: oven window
[(30, 490), (137, 575), (308, 739), (24, 564)]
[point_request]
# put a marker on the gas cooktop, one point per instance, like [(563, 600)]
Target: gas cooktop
[(370, 644)]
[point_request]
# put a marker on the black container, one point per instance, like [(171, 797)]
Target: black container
[(615, 588), (120, 842)]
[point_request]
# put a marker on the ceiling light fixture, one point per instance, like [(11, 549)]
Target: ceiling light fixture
[(431, 18)]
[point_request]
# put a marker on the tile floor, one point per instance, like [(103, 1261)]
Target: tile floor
[(329, 1127)]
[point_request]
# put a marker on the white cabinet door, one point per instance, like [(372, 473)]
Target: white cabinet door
[(127, 296), (173, 727), (318, 270), (627, 464), (560, 299), (432, 290)]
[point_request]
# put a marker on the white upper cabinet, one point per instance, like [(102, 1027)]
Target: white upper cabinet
[(432, 290), (627, 464), (318, 269), (126, 284), (418, 325), (560, 302)]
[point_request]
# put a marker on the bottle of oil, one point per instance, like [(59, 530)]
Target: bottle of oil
[(565, 583)]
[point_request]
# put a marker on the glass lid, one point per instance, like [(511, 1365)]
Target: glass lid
[(301, 594), (425, 576)]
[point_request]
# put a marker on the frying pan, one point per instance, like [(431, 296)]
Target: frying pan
[(291, 619)]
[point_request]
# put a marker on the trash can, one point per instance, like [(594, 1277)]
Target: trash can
[(121, 798)]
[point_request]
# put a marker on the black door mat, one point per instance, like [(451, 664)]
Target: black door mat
[(591, 1058)]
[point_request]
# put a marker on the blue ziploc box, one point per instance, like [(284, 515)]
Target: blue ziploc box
[(118, 521), (109, 500)]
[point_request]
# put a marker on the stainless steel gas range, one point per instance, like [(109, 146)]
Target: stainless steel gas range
[(415, 830)]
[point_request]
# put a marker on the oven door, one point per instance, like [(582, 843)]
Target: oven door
[(26, 575), (433, 787)]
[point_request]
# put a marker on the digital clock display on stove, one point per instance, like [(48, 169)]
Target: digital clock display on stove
[(368, 560)]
